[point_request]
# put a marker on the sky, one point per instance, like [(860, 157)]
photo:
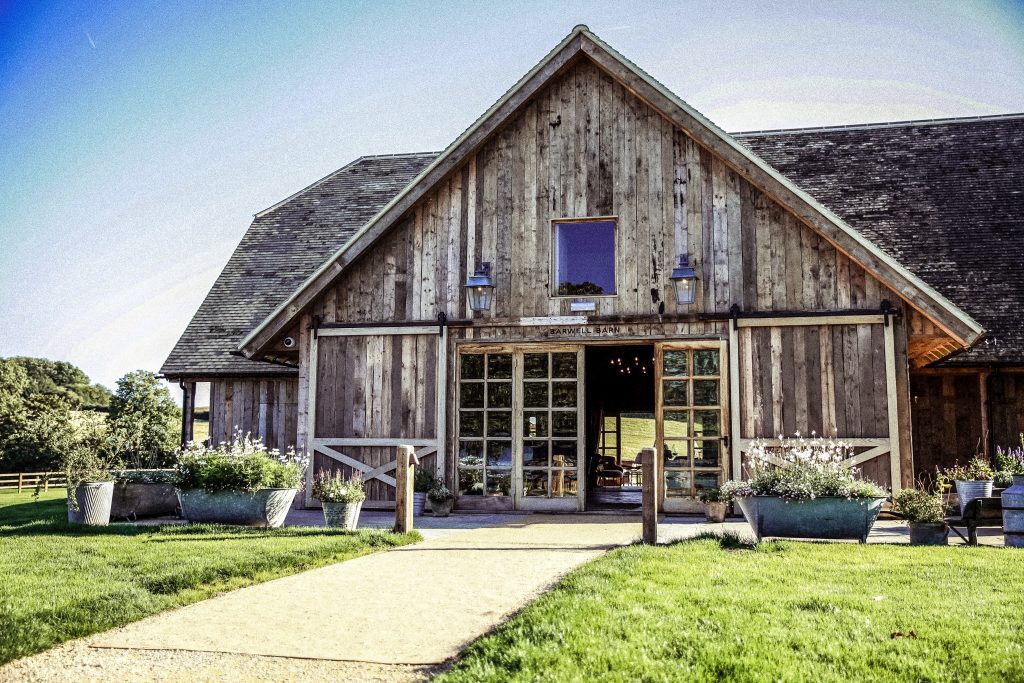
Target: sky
[(137, 139)]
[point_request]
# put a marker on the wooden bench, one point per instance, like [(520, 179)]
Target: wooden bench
[(980, 512)]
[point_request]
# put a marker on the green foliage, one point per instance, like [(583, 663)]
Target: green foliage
[(145, 423), (977, 469), (439, 493), (918, 506), (783, 611), (713, 495), (242, 465), (60, 378), (810, 468), (585, 288), (1010, 460), (423, 481), (63, 582), (333, 487)]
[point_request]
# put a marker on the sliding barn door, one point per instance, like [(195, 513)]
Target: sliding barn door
[(375, 389), (831, 376)]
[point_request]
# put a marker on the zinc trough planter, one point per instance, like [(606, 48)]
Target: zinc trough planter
[(137, 499), (265, 508), (827, 517), (93, 499), (342, 515), (1013, 513)]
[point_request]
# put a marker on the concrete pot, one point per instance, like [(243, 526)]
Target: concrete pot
[(137, 499), (714, 512), (833, 518), (442, 508), (967, 491), (928, 533), (265, 508), (419, 503), (93, 499), (1013, 513), (342, 515)]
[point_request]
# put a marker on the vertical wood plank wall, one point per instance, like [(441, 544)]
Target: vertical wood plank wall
[(587, 147), (262, 407)]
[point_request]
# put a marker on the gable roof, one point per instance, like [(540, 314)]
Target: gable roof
[(944, 197), (582, 43), (284, 244)]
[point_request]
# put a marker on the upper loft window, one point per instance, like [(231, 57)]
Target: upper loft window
[(584, 257)]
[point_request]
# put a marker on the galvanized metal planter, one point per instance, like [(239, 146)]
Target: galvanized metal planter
[(966, 491), (93, 499), (419, 503), (262, 508), (441, 508), (137, 499), (928, 533), (1013, 513), (342, 515), (832, 518)]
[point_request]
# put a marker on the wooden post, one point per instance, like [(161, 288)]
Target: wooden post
[(405, 474), (21, 480), (650, 486), (188, 409), (983, 407)]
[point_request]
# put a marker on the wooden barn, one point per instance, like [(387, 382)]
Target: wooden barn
[(593, 267)]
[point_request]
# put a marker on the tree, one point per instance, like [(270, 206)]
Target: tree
[(144, 421), (62, 379)]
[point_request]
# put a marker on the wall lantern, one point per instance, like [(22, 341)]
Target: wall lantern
[(684, 281), (480, 288)]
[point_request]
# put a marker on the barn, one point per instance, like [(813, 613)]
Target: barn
[(594, 267)]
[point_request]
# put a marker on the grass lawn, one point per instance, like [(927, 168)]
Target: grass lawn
[(60, 582), (785, 611)]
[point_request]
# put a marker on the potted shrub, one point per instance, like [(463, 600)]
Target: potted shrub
[(423, 482), (973, 480), (90, 485), (441, 500), (923, 512), (144, 493), (238, 483), (715, 504), (1011, 461), (342, 499), (802, 490)]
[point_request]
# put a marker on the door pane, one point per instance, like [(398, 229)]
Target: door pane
[(471, 395), (675, 392), (563, 394), (472, 366), (499, 424), (471, 454), (471, 482), (499, 366), (499, 482), (677, 424), (705, 362), (499, 394), (676, 363), (535, 454), (535, 482), (707, 454), (535, 423), (563, 454), (499, 454), (707, 423), (563, 365), (705, 480), (535, 394), (563, 483), (535, 366), (705, 392), (677, 454), (471, 423), (677, 483), (563, 423)]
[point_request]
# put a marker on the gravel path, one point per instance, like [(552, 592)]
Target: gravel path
[(78, 661)]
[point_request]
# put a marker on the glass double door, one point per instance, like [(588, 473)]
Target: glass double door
[(521, 426)]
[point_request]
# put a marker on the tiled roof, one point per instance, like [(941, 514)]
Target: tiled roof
[(284, 244), (945, 198)]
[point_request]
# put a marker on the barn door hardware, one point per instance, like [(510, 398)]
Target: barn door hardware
[(442, 321), (734, 312), (886, 312), (315, 325)]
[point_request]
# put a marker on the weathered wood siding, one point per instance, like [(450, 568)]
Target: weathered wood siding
[(825, 379), (587, 147), (261, 407)]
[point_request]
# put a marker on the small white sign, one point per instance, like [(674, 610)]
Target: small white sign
[(554, 320), (582, 306)]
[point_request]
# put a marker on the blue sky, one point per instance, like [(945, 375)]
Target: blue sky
[(137, 139)]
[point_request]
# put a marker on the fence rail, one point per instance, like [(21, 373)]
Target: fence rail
[(29, 480)]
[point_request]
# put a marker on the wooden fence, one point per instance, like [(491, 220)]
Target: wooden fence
[(29, 480)]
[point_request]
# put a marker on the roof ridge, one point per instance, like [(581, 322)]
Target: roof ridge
[(881, 124), (364, 157)]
